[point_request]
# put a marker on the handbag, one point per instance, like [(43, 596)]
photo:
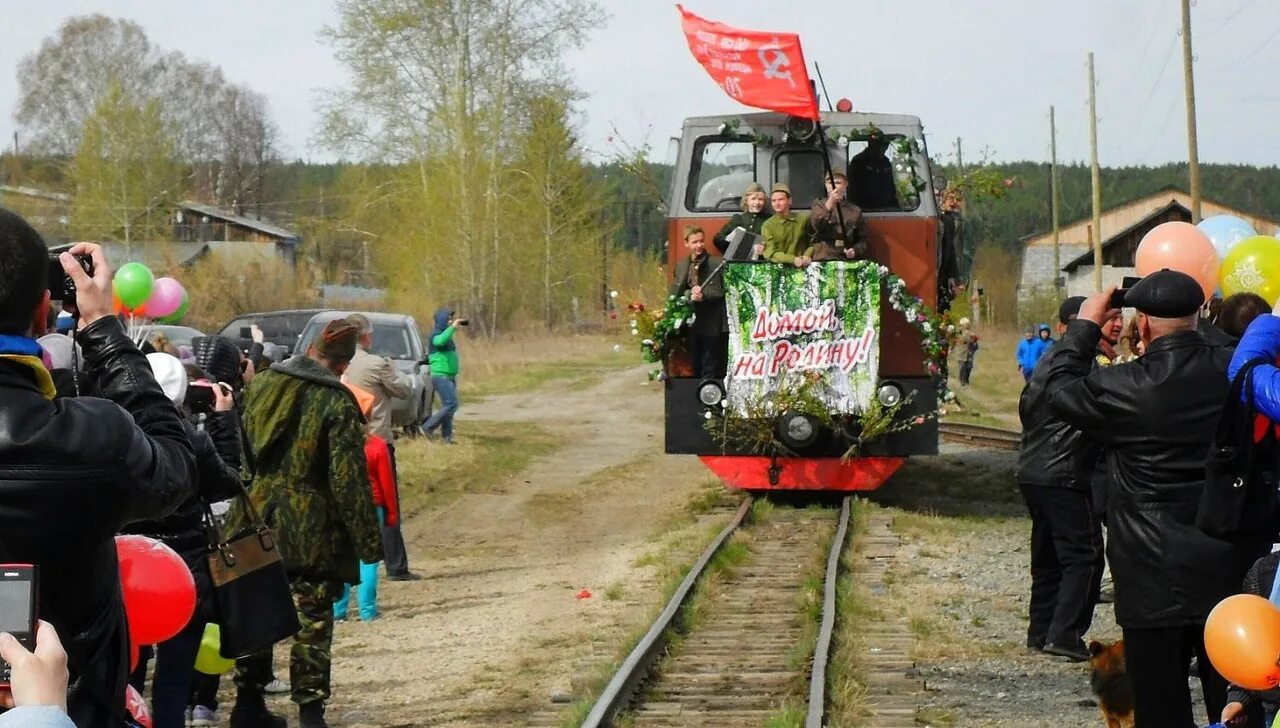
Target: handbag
[(1238, 502), (251, 592)]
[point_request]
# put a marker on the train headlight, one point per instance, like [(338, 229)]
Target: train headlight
[(711, 393), (797, 430), (889, 394)]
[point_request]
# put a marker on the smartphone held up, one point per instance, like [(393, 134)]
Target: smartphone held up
[(17, 608)]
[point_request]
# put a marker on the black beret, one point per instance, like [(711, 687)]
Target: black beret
[(1069, 309), (1166, 294)]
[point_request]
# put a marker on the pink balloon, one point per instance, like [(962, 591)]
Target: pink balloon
[(1183, 247), (166, 297)]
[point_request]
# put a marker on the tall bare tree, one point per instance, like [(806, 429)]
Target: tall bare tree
[(222, 131), (63, 82), (437, 85)]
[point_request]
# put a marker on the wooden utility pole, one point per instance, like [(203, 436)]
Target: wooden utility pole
[(1193, 151), (1053, 200), (1097, 178)]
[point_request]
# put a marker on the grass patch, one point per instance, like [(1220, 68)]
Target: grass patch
[(518, 365), (992, 395), (433, 474), (789, 716)]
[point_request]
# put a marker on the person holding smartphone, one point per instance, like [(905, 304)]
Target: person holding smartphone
[(37, 693)]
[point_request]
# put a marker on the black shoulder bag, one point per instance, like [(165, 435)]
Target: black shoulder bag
[(250, 587), (1239, 498)]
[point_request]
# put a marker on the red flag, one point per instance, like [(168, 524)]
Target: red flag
[(758, 68)]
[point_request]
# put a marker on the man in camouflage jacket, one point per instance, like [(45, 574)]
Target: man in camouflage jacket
[(311, 484)]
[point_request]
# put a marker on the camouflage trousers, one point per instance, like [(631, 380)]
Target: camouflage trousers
[(312, 651)]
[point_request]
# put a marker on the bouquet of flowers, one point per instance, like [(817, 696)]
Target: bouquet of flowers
[(660, 330)]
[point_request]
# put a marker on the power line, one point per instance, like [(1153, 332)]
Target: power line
[(1239, 9), (1146, 105)]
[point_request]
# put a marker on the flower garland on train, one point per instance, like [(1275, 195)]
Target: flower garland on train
[(661, 331)]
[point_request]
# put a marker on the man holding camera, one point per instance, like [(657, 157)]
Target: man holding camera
[(74, 471)]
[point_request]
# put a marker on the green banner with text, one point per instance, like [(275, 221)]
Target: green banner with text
[(788, 326)]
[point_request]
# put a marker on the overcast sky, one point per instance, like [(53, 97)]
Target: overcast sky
[(984, 70)]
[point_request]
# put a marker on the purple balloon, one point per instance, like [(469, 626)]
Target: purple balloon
[(166, 297)]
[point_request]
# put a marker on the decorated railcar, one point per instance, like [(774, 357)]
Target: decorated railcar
[(833, 371)]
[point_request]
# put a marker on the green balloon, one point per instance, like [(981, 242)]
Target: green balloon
[(133, 284), (176, 316)]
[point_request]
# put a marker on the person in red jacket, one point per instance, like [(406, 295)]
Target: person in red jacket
[(382, 479)]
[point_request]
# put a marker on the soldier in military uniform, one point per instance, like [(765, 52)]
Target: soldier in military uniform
[(312, 484)]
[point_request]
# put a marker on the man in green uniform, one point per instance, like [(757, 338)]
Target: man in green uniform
[(786, 234), (312, 485)]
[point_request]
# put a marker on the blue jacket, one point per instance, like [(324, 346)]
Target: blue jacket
[(41, 716), (1261, 340), (1029, 353)]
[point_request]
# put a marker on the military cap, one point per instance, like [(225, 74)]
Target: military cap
[(1166, 294), (338, 341), (781, 187), (1069, 309)]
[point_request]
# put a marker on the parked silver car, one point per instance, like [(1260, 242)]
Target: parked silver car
[(396, 337)]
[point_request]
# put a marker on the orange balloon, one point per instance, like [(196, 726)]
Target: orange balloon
[(1242, 638), (1183, 247)]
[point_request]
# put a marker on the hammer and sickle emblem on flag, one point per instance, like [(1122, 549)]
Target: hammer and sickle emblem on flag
[(779, 60)]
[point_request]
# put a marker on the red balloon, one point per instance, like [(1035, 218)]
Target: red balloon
[(159, 593), (134, 656), (137, 707)]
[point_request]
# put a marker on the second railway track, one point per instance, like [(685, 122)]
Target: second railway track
[(747, 657), (981, 435)]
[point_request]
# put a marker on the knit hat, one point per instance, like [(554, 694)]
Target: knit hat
[(170, 374), (337, 342)]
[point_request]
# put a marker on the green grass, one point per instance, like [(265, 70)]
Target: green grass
[(487, 455), (585, 372), (789, 716)]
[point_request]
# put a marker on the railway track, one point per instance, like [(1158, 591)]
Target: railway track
[(744, 659), (993, 437)]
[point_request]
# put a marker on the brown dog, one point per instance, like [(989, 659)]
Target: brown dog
[(1110, 682)]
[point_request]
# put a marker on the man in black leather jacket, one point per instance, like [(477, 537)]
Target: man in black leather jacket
[(1156, 418), (74, 471), (1055, 467)]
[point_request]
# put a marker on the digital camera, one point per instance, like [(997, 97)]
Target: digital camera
[(61, 287)]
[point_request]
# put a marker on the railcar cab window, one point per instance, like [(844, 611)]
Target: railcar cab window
[(802, 170), (880, 178), (721, 170)]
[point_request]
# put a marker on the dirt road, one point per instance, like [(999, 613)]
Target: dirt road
[(497, 625)]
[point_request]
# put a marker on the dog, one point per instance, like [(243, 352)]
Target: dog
[(1110, 682)]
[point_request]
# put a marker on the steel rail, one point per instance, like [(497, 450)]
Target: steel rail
[(822, 649), (621, 688), (999, 437)]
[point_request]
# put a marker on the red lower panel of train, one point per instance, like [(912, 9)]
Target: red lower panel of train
[(751, 472)]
